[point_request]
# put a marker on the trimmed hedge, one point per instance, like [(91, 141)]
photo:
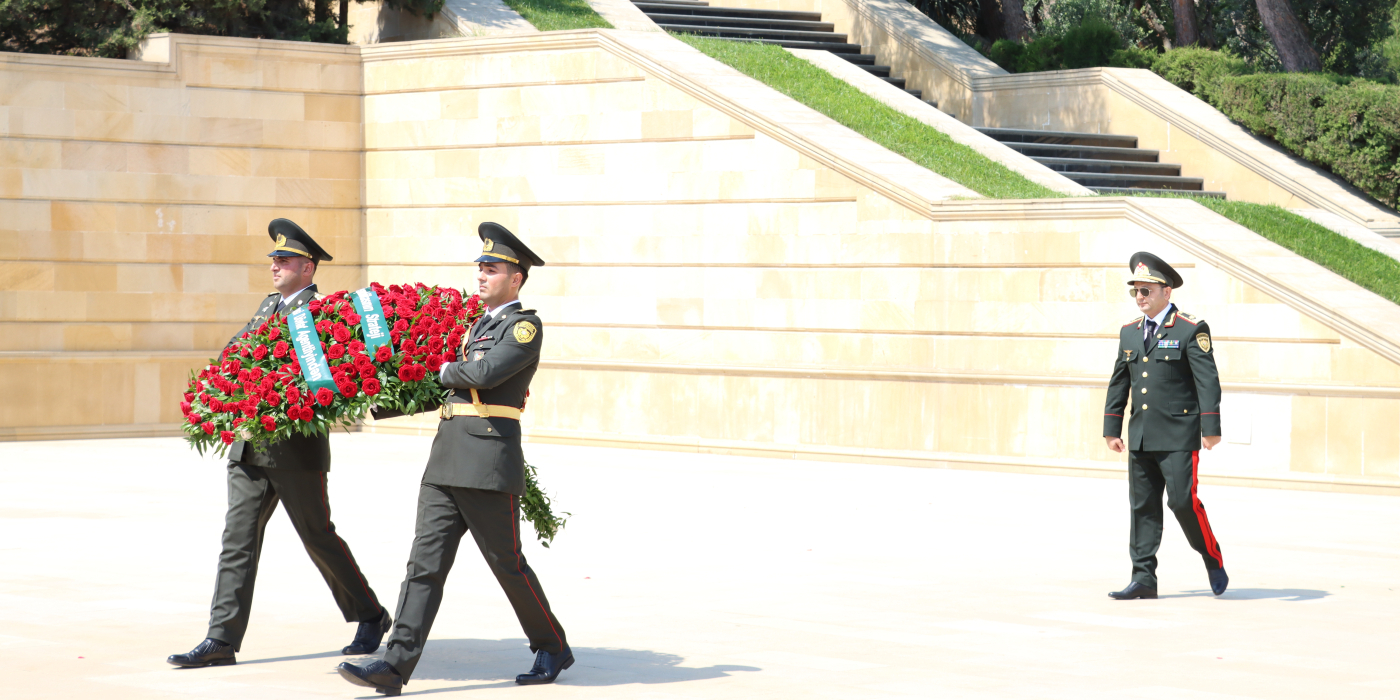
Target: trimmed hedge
[(1348, 126)]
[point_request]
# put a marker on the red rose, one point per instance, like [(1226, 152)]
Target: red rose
[(335, 352), (409, 347), (250, 410), (193, 419), (294, 367), (280, 349), (434, 363), (239, 421), (184, 408), (208, 428), (455, 339), (324, 396), (268, 383), (286, 380), (307, 414), (260, 352), (255, 374), (274, 334), (244, 350), (357, 347), (340, 333), (262, 329), (394, 336), (215, 405), (323, 326), (269, 424), (435, 344), (406, 310), (367, 371), (347, 388), (383, 354), (371, 386), (363, 360), (400, 326), (419, 372), (272, 398), (293, 395), (226, 436), (244, 375), (406, 373), (352, 319), (189, 396), (314, 305), (449, 356)]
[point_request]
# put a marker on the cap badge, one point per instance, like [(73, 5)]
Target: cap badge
[(281, 240), (1141, 270), (488, 245)]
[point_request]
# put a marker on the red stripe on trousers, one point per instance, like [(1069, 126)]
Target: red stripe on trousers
[(326, 505), (515, 529), (1212, 547)]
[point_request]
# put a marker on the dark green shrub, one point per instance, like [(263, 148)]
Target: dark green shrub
[(1198, 71), (1007, 54), (1132, 57), (1359, 138), (1089, 44)]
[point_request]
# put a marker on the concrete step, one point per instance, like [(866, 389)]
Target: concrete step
[(767, 34), (814, 45), (1142, 190), (878, 71), (860, 59), (1146, 182), (1051, 150), (737, 12), (1116, 167), (741, 22), (1066, 138)]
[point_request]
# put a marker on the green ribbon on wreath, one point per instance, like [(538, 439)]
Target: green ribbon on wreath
[(372, 321), (309, 353)]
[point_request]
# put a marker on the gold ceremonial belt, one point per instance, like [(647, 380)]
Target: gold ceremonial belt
[(476, 408)]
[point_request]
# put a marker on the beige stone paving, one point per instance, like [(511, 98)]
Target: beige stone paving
[(687, 575)]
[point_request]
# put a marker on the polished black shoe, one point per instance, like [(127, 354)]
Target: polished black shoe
[(547, 667), (1219, 580), (378, 675), (210, 652), (370, 634), (1134, 590)]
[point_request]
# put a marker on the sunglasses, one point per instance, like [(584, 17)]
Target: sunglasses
[(1140, 292)]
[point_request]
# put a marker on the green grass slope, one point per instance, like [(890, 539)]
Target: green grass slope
[(554, 15)]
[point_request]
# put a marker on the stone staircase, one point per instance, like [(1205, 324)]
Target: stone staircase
[(789, 29), (1105, 163)]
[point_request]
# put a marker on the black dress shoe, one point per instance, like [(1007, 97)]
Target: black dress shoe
[(1134, 590), (1219, 580), (378, 675), (547, 667), (210, 652), (370, 634)]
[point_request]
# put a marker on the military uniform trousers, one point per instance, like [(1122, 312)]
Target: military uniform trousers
[(1149, 474), (445, 514), (253, 495)]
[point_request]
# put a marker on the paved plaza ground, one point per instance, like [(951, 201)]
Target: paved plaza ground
[(702, 576)]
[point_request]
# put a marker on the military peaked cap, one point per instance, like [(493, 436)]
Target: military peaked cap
[(1147, 267), (292, 241), (500, 245)]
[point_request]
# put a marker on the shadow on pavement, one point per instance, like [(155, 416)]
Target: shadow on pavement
[(503, 659), (302, 657), (1287, 594)]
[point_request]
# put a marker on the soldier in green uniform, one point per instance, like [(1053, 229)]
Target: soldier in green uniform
[(476, 476), (292, 472), (1165, 374)]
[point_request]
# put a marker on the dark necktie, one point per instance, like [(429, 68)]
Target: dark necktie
[(280, 305), (1151, 335)]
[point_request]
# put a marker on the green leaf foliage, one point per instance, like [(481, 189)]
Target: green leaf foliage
[(869, 117), (538, 508), (1348, 126)]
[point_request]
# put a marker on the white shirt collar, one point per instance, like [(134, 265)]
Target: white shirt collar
[(289, 297), (497, 311), (1159, 318)]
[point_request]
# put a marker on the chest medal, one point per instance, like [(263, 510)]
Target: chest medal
[(1169, 344)]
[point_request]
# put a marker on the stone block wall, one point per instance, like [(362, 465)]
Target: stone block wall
[(134, 202)]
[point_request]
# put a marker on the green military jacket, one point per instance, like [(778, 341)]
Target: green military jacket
[(298, 451), (498, 359), (1171, 390)]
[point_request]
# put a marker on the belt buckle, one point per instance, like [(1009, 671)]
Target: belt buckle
[(482, 410), (445, 411)]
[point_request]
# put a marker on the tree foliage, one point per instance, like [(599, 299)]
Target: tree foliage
[(109, 28)]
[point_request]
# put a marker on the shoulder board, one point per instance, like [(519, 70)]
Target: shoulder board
[(1188, 318), (274, 294), (1137, 320)]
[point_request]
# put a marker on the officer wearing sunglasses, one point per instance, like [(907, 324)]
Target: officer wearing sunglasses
[(1165, 382)]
